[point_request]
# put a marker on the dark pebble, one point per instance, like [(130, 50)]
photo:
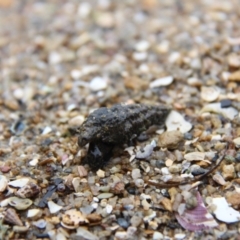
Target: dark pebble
[(160, 164), (198, 171), (237, 157), (225, 103), (123, 222), (131, 190), (188, 136)]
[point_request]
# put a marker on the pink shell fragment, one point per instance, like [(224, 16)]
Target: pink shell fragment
[(196, 219)]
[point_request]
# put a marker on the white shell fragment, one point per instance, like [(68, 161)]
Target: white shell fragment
[(41, 223), (53, 207), (33, 212), (229, 112), (97, 84), (19, 203), (142, 46), (224, 212), (160, 82), (175, 121), (195, 156), (3, 183), (210, 94), (147, 151), (21, 182)]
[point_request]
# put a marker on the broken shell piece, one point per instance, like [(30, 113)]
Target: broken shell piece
[(3, 183), (165, 81), (147, 151), (196, 219), (41, 223), (33, 213), (175, 121), (76, 217), (19, 203), (229, 112), (194, 156), (21, 182), (219, 179), (210, 94), (53, 207), (28, 191), (224, 212), (11, 216)]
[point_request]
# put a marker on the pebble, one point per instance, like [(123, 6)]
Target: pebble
[(236, 141), (3, 183), (85, 234), (136, 173), (53, 207), (139, 182), (135, 221), (170, 139), (234, 61), (139, 56), (235, 76), (121, 235), (76, 183), (188, 136), (142, 46), (123, 223), (160, 82), (197, 170), (167, 204), (157, 236), (225, 103), (210, 94), (175, 121), (100, 173), (233, 198), (98, 83), (76, 121), (179, 236), (228, 172), (82, 172), (219, 179), (104, 195), (194, 156), (20, 229), (237, 157)]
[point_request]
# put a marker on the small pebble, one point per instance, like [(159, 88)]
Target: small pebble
[(170, 139), (237, 157), (123, 223), (136, 173), (225, 103), (188, 136), (136, 221)]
